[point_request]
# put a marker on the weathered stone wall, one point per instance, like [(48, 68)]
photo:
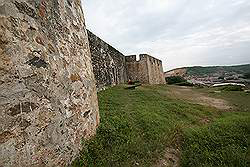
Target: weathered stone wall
[(108, 63), (155, 70), (48, 98), (137, 70), (147, 70)]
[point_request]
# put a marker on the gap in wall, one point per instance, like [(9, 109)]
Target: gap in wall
[(137, 57)]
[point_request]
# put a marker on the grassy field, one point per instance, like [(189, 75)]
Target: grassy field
[(138, 125)]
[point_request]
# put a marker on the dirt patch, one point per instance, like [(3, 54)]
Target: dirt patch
[(205, 121), (171, 158), (217, 103), (187, 93)]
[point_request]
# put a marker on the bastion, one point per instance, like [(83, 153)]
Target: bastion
[(147, 70), (48, 99)]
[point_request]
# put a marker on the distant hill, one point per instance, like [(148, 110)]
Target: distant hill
[(213, 71), (217, 70)]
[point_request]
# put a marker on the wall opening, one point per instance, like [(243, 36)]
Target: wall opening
[(137, 58)]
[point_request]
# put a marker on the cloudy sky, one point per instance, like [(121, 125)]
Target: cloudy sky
[(179, 32)]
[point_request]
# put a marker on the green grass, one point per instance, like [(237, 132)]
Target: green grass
[(223, 143), (137, 125)]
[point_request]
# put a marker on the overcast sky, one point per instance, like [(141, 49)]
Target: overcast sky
[(179, 32)]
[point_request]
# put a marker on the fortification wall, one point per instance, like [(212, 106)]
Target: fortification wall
[(48, 99), (147, 70), (108, 63)]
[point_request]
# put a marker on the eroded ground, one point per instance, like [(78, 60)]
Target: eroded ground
[(192, 96)]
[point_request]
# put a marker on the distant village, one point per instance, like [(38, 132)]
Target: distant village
[(221, 76)]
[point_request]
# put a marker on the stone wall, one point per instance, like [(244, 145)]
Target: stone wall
[(108, 63), (147, 70), (48, 99), (137, 70), (111, 67), (155, 70)]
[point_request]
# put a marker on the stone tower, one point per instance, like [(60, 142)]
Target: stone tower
[(48, 99), (148, 70)]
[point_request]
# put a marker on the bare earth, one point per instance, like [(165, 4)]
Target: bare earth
[(186, 93), (171, 158)]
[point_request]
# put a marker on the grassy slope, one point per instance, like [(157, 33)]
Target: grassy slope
[(137, 125), (223, 143)]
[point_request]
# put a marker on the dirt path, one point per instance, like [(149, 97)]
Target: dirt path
[(192, 96)]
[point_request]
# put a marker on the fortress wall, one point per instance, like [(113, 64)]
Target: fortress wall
[(48, 99), (108, 63), (112, 68)]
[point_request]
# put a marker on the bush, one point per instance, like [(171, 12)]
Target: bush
[(175, 79), (232, 88), (185, 84), (221, 77)]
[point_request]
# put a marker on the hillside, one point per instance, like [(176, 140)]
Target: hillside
[(217, 70), (200, 71), (213, 75)]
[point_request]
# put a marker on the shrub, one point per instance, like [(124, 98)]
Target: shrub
[(175, 79), (232, 88), (185, 84), (221, 77)]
